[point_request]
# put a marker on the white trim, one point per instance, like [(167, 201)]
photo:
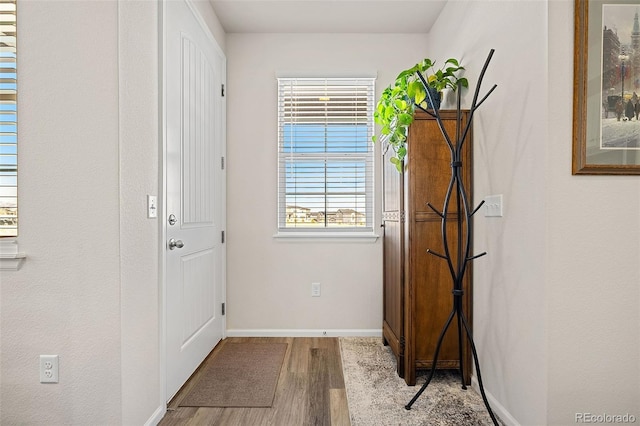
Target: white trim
[(498, 409), (283, 332), (303, 237), (315, 74), (205, 27), (162, 157), (12, 262), (156, 416), (10, 258)]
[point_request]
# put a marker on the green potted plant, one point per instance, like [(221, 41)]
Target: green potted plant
[(395, 109)]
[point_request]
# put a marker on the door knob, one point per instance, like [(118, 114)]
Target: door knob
[(173, 243)]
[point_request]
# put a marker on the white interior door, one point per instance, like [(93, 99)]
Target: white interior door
[(195, 211)]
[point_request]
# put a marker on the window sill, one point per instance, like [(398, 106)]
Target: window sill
[(10, 258), (358, 237)]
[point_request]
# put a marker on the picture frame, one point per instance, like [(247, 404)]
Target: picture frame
[(606, 142)]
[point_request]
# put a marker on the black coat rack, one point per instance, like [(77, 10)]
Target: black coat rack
[(459, 260)]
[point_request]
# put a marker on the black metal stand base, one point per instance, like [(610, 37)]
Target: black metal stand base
[(458, 313)]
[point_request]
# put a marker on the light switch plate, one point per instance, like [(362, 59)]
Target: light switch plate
[(493, 206), (152, 206)]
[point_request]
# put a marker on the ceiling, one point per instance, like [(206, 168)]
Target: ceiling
[(327, 16)]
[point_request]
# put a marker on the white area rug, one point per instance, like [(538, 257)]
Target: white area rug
[(377, 396)]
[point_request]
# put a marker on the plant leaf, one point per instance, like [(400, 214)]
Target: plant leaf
[(426, 64), (420, 96), (405, 119), (389, 113), (411, 89), (401, 104)]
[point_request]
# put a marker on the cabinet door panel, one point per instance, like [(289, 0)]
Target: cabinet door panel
[(432, 282), (393, 277), (392, 186)]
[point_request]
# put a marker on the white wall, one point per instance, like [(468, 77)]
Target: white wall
[(593, 273), (139, 239), (556, 299), (269, 280), (66, 298)]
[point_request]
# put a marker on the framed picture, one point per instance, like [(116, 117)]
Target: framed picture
[(606, 98)]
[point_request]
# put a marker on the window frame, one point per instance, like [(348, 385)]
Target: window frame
[(328, 159), (8, 122), (11, 258)]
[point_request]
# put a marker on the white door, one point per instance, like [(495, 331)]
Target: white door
[(194, 178)]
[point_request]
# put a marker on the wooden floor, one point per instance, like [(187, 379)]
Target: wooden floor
[(310, 390)]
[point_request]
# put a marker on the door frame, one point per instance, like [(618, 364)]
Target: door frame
[(163, 187)]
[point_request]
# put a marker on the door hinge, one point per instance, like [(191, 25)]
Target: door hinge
[(223, 309), (222, 163), (222, 91), (222, 237)]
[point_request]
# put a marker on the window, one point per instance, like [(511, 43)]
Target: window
[(8, 121), (325, 154)]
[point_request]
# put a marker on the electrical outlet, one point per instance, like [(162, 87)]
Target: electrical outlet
[(315, 289), (48, 368)]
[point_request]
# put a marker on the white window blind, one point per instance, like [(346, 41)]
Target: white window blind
[(325, 154), (8, 121)]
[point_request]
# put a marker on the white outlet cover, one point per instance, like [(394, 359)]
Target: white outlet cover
[(49, 368), (315, 289)]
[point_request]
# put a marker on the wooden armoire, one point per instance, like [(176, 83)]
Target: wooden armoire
[(418, 285)]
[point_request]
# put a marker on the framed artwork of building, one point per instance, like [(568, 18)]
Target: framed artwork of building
[(606, 98)]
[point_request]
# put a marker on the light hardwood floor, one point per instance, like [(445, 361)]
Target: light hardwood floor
[(310, 390)]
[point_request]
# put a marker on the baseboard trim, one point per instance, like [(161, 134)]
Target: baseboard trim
[(156, 416), (304, 333), (498, 409)]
